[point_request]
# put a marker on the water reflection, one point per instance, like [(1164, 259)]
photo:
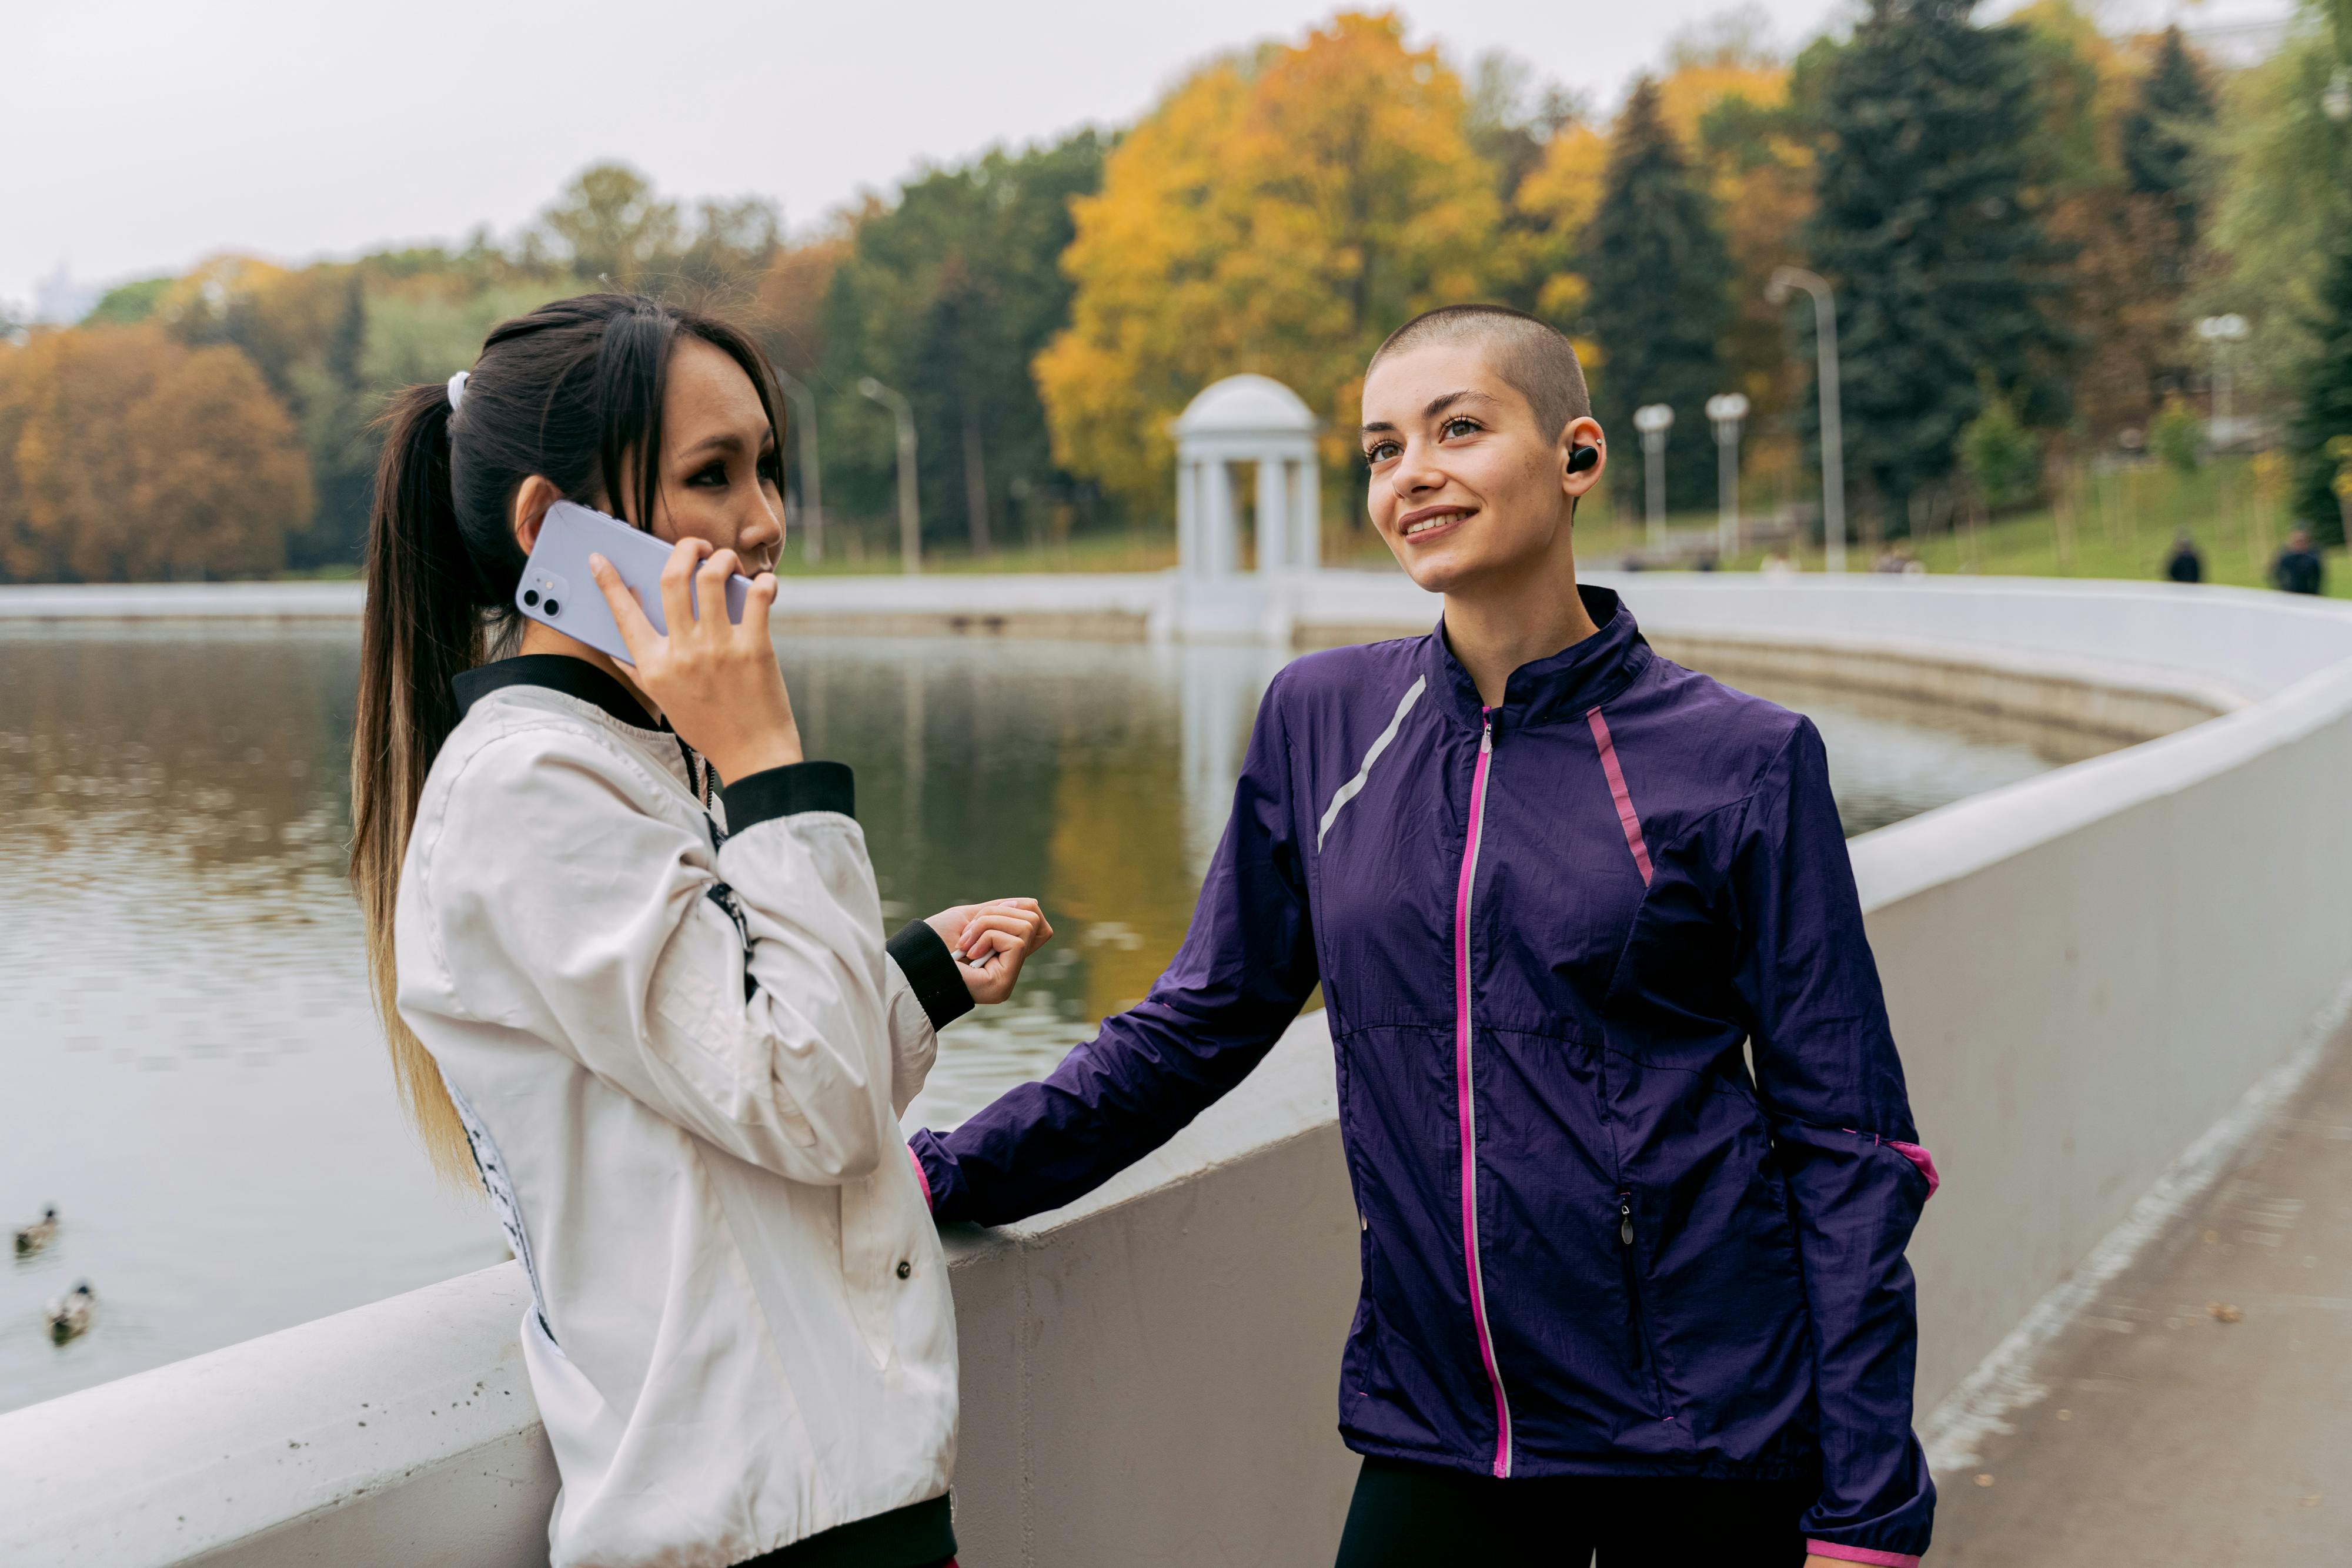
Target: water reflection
[(192, 1073)]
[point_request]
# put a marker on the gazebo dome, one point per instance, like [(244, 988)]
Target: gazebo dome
[(1255, 421), (1245, 405)]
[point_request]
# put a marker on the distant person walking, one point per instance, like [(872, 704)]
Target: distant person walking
[(2184, 564), (2299, 569), (628, 950)]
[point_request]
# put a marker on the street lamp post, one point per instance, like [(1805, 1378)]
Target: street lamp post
[(812, 486), (1654, 419), (1786, 279), (1725, 411), (910, 517), (2222, 331)]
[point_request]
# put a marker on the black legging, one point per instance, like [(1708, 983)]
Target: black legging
[(1414, 1515)]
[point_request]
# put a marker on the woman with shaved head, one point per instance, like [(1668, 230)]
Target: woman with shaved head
[(1620, 1294)]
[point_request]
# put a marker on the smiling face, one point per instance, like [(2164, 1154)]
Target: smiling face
[(1466, 487), (720, 473)]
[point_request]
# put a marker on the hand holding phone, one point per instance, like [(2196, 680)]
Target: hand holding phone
[(715, 679), (558, 589)]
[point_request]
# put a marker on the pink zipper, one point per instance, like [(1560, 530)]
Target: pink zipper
[(1465, 1115)]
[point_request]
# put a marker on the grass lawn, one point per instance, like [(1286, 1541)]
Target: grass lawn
[(1143, 550), (2115, 524), (2118, 524)]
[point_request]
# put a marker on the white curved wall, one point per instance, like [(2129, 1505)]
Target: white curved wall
[(2087, 972)]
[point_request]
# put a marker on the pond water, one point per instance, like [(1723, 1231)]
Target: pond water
[(189, 1069)]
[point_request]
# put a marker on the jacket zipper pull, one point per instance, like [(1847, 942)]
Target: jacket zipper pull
[(1485, 733), (1624, 1220)]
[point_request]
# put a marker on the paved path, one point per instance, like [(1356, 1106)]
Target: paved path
[(2200, 1413)]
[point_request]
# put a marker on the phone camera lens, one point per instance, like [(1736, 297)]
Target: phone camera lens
[(553, 608), (531, 596)]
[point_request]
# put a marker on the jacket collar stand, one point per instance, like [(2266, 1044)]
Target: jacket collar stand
[(558, 673), (1564, 685)]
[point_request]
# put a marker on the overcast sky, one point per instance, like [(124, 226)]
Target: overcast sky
[(141, 135)]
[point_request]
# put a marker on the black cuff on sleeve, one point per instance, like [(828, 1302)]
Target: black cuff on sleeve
[(932, 969), (785, 791)]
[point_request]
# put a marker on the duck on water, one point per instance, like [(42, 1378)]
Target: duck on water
[(33, 1238), (70, 1315)]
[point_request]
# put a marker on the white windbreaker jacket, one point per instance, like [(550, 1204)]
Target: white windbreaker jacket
[(681, 1051)]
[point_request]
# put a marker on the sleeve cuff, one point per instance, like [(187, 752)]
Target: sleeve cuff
[(1860, 1555), (787, 791), (931, 970)]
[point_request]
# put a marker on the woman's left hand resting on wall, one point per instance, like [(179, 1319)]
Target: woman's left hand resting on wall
[(991, 941)]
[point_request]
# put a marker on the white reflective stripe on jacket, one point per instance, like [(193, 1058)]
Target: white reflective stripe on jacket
[(748, 1336)]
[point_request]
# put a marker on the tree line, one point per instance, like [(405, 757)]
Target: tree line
[(2022, 223)]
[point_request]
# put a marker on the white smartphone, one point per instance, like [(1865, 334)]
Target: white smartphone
[(558, 589)]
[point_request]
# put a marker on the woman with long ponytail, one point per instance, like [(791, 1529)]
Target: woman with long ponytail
[(627, 948), (422, 629)]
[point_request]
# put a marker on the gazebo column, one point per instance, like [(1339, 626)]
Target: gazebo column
[(1188, 517), (1215, 513), (1274, 513), (1306, 514)]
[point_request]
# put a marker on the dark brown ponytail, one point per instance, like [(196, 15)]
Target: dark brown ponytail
[(421, 629), (571, 392)]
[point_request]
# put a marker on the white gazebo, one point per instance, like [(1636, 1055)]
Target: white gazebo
[(1246, 418)]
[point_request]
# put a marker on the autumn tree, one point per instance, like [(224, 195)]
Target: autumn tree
[(1278, 213), (787, 307), (126, 455), (1942, 268), (2125, 263), (1660, 296), (1726, 98), (1513, 123), (1742, 112)]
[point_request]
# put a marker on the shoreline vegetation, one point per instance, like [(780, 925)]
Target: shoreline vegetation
[(2117, 524), (2124, 308)]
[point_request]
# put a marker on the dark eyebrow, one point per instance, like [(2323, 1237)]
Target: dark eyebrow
[(723, 441), (1438, 405)]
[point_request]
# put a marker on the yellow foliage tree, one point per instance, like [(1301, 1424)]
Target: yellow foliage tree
[(1761, 176), (126, 455), (1281, 213)]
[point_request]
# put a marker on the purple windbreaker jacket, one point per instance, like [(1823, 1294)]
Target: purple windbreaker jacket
[(1592, 1243)]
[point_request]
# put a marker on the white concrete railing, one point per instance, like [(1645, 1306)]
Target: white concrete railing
[(2087, 972), (404, 1433)]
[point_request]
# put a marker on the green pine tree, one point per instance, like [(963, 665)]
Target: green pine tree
[(1661, 301), (2326, 412), (948, 298), (1922, 225), (2160, 135)]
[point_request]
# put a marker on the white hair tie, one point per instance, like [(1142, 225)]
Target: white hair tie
[(457, 391)]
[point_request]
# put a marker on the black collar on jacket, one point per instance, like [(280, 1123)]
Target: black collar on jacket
[(1564, 685), (558, 673)]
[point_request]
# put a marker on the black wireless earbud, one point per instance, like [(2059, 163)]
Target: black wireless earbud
[(1582, 457)]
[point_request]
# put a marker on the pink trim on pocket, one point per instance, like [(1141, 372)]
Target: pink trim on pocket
[(1860, 1555), (925, 1182), (1925, 1161), (1627, 818)]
